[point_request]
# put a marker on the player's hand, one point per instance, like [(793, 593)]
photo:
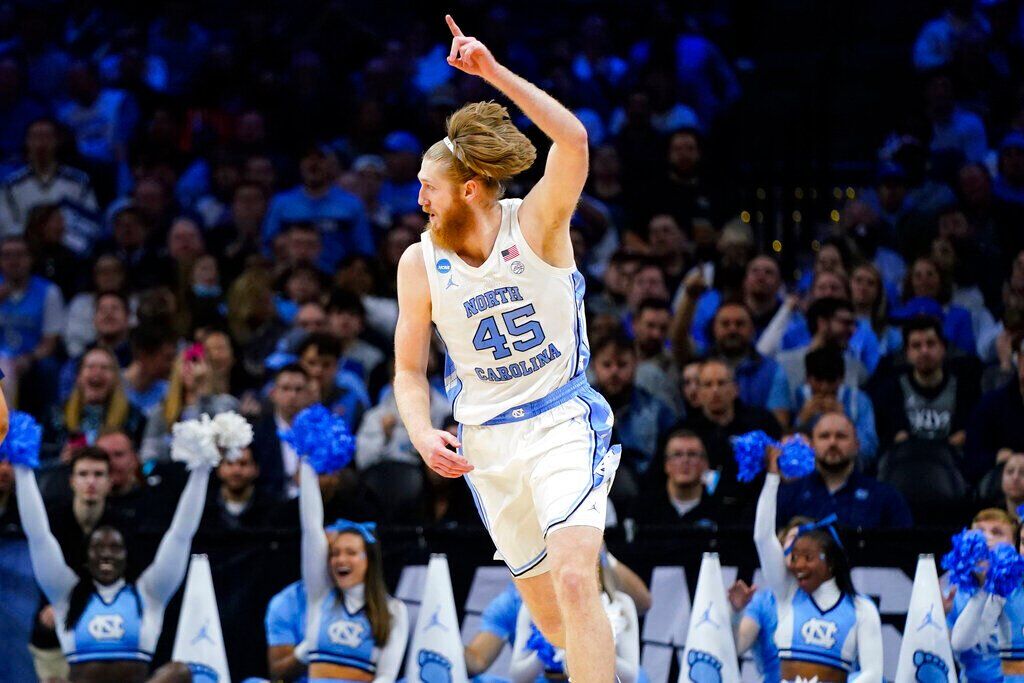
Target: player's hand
[(433, 446), (468, 54), (771, 459), (740, 595), (947, 600)]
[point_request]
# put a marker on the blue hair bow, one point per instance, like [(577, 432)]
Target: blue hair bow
[(366, 529), (827, 523)]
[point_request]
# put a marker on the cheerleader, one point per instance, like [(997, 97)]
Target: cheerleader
[(988, 630), (534, 659), (754, 615), (107, 623), (824, 629), (355, 631)]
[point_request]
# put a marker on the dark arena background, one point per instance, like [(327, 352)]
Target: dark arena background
[(794, 208)]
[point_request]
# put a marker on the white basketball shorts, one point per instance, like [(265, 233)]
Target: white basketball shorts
[(539, 469)]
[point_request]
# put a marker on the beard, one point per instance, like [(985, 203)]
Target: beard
[(450, 232), (834, 466)]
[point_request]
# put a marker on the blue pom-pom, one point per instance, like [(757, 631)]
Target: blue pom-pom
[(969, 549), (21, 447), (545, 650), (322, 438), (796, 457), (749, 451), (1005, 570)]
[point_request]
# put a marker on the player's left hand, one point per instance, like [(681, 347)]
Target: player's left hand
[(468, 54)]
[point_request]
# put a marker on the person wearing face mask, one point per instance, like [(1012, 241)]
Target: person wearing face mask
[(107, 621), (979, 656), (355, 631), (825, 630)]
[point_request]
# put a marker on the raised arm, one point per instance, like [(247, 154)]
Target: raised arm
[(977, 622), (315, 574), (53, 575), (412, 349), (769, 550), (553, 199), (390, 660), (163, 577)]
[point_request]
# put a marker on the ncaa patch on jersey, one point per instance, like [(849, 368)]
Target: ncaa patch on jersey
[(444, 266), (517, 267)]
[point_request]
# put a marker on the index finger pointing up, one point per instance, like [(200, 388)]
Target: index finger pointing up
[(456, 31)]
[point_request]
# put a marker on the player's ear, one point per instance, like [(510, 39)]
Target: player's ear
[(471, 189)]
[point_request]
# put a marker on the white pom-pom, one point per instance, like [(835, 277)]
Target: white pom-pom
[(194, 444), (232, 432)]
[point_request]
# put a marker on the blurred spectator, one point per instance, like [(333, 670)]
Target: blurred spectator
[(125, 468), (10, 522), (338, 216), (930, 399), (51, 259), (926, 285), (153, 352), (97, 402), (996, 428), (1011, 484), (611, 298), (235, 241), (346, 318), (656, 370), (837, 487), (31, 319), (641, 420), (17, 112), (318, 355), (278, 462), (685, 499), (762, 382), (43, 180), (237, 503), (824, 393), (832, 323), (953, 127), (722, 416), (382, 436), (132, 233), (691, 386), (871, 306), (945, 39), (189, 395), (285, 625), (108, 275), (761, 288)]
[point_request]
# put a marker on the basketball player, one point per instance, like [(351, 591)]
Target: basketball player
[(497, 279)]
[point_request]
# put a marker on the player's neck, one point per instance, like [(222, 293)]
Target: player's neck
[(481, 234)]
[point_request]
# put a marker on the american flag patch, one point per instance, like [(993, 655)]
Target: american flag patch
[(510, 253)]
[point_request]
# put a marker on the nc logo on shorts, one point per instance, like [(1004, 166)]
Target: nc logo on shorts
[(444, 266), (819, 632), (518, 267), (434, 667), (704, 667), (518, 413), (107, 627), (346, 633), (930, 668)]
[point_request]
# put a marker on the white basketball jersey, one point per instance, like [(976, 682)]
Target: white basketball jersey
[(514, 327)]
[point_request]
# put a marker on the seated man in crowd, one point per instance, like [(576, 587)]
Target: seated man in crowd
[(760, 379), (824, 392), (836, 486), (237, 503), (641, 420), (929, 399), (686, 498), (722, 416), (831, 321)]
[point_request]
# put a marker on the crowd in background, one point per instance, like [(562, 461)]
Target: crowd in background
[(203, 210)]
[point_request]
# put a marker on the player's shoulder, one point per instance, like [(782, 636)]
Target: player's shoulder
[(412, 259)]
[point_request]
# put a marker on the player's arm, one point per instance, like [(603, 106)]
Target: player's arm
[(412, 350), (551, 202)]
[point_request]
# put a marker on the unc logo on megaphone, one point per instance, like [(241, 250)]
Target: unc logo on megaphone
[(107, 627)]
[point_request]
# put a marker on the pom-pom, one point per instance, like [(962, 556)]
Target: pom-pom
[(796, 457), (969, 550), (232, 432), (193, 443), (21, 447), (545, 650), (1005, 570), (749, 451), (322, 438)]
